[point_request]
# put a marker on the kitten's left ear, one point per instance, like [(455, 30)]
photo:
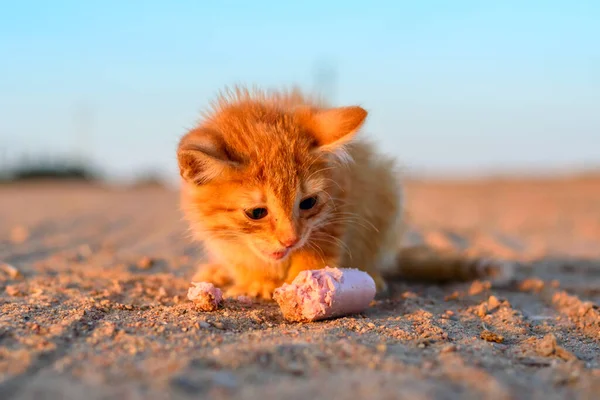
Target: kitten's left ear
[(202, 156), (334, 127)]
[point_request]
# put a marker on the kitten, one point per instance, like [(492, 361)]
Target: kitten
[(276, 183)]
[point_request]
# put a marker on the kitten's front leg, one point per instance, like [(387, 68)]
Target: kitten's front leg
[(255, 280), (308, 260), (213, 273), (259, 289)]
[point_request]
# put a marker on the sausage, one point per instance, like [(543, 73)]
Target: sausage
[(205, 296), (325, 293)]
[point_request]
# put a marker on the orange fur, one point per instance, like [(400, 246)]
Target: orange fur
[(270, 151)]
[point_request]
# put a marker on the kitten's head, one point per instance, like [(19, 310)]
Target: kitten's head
[(258, 171)]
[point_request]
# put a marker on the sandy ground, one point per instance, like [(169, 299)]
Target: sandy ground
[(92, 318)]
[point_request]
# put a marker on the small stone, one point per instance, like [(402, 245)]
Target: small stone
[(381, 347), (19, 234), (10, 270), (85, 250), (205, 296), (453, 296), (493, 303), (532, 285), (145, 262), (409, 295), (482, 310), (12, 290), (448, 349), (585, 307), (565, 354), (478, 287), (490, 336), (218, 325), (546, 346)]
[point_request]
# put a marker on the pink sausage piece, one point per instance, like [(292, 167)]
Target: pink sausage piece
[(205, 296), (325, 293)]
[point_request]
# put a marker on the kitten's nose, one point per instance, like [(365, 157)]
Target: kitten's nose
[(289, 241)]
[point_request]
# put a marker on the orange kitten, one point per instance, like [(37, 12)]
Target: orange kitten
[(276, 183)]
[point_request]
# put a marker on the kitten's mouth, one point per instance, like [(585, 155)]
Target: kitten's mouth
[(278, 255)]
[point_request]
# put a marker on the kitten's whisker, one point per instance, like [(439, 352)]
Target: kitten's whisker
[(336, 241), (333, 181), (320, 252), (345, 213), (346, 220), (318, 171)]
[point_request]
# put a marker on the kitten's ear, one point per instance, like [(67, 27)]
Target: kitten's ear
[(202, 156), (334, 127)]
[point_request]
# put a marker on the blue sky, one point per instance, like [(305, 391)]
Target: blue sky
[(464, 86)]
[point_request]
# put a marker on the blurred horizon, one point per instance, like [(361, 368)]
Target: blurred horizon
[(467, 87)]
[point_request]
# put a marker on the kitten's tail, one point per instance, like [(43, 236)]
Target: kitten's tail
[(424, 263)]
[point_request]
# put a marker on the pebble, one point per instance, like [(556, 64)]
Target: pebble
[(12, 290), (532, 285), (453, 296), (548, 346), (490, 336), (482, 310), (493, 303), (10, 270), (145, 262), (448, 349), (218, 325), (381, 347), (19, 234), (478, 287)]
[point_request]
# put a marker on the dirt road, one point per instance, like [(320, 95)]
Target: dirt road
[(96, 305)]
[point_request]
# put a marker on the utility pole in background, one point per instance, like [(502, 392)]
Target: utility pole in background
[(3, 162), (325, 80), (83, 125)]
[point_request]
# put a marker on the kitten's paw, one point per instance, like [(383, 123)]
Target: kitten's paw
[(236, 291), (257, 289), (381, 287), (213, 273)]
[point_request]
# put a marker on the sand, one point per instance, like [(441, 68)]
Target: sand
[(94, 306)]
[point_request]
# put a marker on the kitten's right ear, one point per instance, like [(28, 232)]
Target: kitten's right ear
[(202, 156)]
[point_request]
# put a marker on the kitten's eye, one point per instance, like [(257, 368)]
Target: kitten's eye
[(308, 203), (257, 213)]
